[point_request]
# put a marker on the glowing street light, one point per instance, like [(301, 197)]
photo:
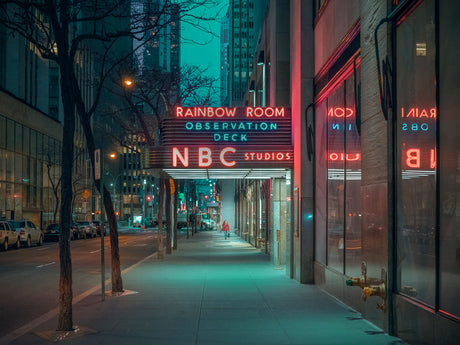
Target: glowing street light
[(128, 82)]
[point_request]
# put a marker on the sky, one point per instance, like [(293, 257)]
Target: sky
[(203, 49)]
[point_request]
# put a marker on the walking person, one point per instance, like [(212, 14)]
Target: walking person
[(226, 229)]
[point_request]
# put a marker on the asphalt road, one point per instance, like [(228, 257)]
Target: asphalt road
[(29, 277)]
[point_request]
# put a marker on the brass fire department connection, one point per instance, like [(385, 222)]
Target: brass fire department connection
[(371, 286)]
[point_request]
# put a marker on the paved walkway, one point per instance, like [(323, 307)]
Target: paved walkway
[(212, 291)]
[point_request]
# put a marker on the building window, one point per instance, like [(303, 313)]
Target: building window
[(416, 155), (338, 174), (449, 175)]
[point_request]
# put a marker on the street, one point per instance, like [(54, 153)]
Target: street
[(30, 276)]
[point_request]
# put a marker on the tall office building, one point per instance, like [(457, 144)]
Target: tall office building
[(224, 59), (245, 22)]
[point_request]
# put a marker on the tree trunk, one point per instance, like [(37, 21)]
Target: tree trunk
[(65, 322), (176, 205), (117, 282), (160, 218), (168, 217)]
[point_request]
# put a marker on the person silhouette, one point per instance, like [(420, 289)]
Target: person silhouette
[(226, 229)]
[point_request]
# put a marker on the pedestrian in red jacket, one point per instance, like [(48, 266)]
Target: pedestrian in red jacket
[(226, 229)]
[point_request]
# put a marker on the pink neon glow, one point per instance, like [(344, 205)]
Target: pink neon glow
[(205, 112), (413, 158), (267, 156), (264, 112), (204, 157), (340, 112), (340, 156), (433, 159), (222, 156), (176, 154), (419, 113)]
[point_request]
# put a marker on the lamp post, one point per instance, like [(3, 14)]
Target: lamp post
[(261, 62)]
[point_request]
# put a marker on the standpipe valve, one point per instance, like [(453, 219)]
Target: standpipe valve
[(370, 286)]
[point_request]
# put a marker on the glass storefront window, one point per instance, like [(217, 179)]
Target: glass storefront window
[(352, 181), (335, 178), (416, 154), (449, 144), (338, 179)]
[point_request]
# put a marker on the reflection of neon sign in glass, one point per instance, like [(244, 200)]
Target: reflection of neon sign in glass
[(415, 127), (414, 157), (341, 126), (340, 112), (419, 113), (414, 114), (341, 156)]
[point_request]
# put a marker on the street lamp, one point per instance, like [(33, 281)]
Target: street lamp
[(261, 62), (128, 82), (252, 89)]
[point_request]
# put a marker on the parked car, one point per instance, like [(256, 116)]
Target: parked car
[(8, 237), (207, 222), (98, 226), (88, 229), (28, 233), (181, 220), (51, 233), (78, 232)]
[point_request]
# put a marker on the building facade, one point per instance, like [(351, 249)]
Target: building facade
[(372, 195)]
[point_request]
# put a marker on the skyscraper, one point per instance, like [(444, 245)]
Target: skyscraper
[(245, 22)]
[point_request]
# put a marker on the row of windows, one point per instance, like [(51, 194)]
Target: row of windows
[(18, 138)]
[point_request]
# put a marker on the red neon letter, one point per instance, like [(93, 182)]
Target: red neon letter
[(204, 157), (433, 158), (413, 158), (179, 111), (222, 157), (176, 154)]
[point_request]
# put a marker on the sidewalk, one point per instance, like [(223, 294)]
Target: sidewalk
[(212, 291)]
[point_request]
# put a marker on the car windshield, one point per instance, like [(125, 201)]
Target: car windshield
[(18, 224), (53, 227)]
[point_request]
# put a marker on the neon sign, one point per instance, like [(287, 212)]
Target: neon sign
[(208, 157), (221, 112), (224, 137), (207, 125)]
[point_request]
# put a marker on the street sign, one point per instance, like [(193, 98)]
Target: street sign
[(86, 194)]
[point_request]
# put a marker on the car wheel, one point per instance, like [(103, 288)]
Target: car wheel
[(5, 245), (40, 241), (18, 243), (29, 242)]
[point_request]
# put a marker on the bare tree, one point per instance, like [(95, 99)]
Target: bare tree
[(62, 31)]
